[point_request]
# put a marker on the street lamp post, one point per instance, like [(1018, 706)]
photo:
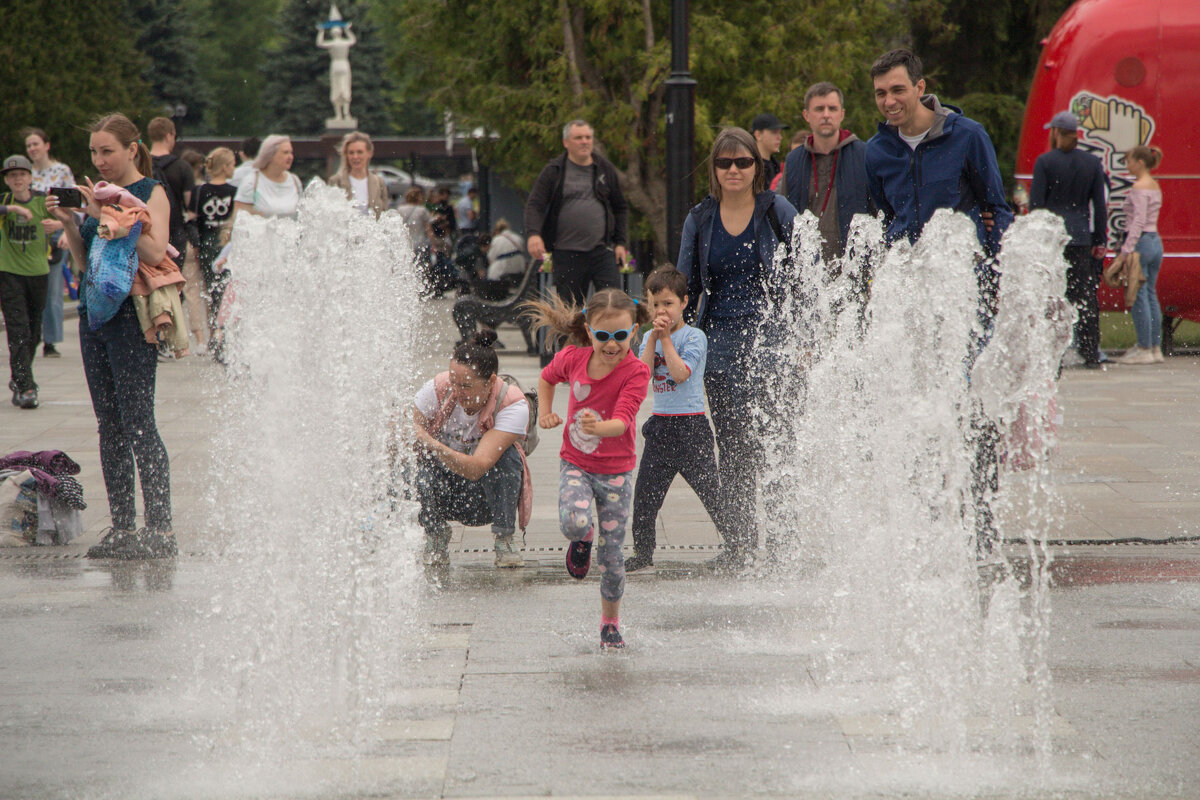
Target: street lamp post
[(681, 131)]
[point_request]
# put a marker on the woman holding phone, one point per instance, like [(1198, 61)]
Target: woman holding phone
[(120, 366), (48, 174)]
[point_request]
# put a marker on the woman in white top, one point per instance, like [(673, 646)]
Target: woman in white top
[(48, 174), (270, 190), (364, 189), (469, 434), (1142, 206), (506, 253)]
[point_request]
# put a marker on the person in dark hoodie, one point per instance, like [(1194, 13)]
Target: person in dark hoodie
[(1071, 182), (928, 156), (827, 174), (727, 251), (576, 211)]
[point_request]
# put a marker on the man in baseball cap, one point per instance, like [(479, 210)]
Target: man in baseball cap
[(1071, 183), (1063, 121), (768, 132)]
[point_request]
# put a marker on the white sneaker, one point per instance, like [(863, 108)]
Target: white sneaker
[(1137, 355), (1158, 354), (506, 553)]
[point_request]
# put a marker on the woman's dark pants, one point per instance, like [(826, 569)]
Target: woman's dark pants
[(121, 367)]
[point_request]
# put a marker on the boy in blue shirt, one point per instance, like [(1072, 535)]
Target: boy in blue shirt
[(678, 436)]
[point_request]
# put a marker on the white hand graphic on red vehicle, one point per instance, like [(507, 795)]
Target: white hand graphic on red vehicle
[(1113, 122)]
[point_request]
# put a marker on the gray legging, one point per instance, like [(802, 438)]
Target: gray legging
[(578, 490)]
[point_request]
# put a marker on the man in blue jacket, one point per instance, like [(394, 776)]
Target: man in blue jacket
[(928, 156), (827, 174)]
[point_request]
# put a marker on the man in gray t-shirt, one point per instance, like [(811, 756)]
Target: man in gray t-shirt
[(576, 210)]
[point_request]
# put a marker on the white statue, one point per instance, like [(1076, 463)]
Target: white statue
[(341, 39)]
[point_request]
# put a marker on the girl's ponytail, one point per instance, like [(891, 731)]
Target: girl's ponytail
[(570, 320), (562, 319)]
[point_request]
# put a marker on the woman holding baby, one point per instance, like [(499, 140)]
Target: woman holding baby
[(119, 363)]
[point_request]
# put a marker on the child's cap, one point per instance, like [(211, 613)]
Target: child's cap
[(16, 162)]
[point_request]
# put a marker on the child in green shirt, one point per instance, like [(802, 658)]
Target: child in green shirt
[(23, 270)]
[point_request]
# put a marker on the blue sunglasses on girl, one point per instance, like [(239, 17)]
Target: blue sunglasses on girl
[(616, 336)]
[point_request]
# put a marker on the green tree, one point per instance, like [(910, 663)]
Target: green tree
[(534, 64), (230, 52), (167, 36), (59, 70), (985, 54), (296, 90)]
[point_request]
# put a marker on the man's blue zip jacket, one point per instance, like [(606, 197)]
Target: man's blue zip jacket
[(953, 167)]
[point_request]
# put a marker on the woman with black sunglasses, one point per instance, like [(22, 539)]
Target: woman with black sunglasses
[(727, 250)]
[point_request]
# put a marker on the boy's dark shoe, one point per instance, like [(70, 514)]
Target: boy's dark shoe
[(638, 561), (730, 560), (157, 544), (610, 638), (27, 399), (50, 351), (579, 559)]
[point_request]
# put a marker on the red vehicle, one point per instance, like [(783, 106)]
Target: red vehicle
[(1130, 70)]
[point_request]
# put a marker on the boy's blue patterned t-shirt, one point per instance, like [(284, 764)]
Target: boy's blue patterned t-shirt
[(679, 398)]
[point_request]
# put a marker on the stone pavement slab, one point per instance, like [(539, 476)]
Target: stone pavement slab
[(726, 691)]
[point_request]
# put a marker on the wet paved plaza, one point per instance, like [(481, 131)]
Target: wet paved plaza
[(730, 687)]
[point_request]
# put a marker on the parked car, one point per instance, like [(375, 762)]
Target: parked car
[(399, 181)]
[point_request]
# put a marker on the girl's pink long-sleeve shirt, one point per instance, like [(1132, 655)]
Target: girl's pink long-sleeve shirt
[(618, 395)]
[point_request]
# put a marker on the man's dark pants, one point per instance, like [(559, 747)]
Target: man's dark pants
[(447, 496), (23, 299), (1083, 279), (574, 270)]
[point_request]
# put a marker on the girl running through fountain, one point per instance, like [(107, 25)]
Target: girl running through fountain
[(607, 386)]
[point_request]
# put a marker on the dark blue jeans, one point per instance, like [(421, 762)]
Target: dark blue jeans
[(740, 445), (681, 444), (121, 367)]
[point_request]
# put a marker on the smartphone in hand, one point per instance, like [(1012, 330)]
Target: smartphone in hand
[(68, 197)]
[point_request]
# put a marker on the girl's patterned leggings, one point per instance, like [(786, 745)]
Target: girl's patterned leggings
[(613, 494)]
